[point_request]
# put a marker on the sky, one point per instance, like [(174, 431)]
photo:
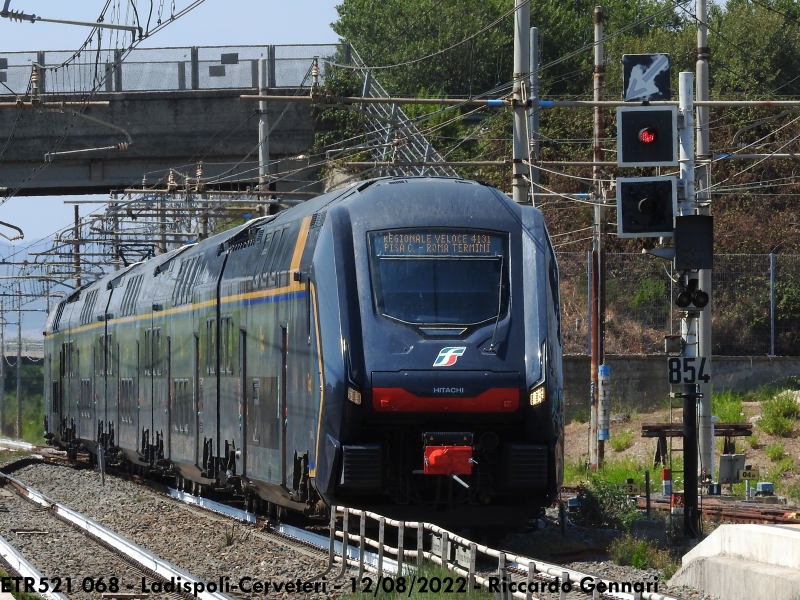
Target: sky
[(212, 23)]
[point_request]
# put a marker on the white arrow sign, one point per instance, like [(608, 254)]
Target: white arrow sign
[(641, 83)]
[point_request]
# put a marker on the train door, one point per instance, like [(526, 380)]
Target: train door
[(196, 406), (241, 440), (169, 400), (284, 384), (60, 386)]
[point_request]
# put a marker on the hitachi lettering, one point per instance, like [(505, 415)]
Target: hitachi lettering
[(448, 390)]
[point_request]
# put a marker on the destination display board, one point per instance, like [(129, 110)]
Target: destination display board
[(428, 242)]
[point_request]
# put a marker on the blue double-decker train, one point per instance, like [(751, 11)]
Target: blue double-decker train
[(395, 345)]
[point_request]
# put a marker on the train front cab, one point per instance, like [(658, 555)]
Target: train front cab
[(449, 400)]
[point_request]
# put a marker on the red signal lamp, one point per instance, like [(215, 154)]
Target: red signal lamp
[(648, 135)]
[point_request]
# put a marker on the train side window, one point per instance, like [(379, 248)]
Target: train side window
[(56, 402), (181, 406), (260, 277), (130, 296), (86, 399), (227, 344), (284, 262), (126, 400), (158, 352), (148, 351), (271, 264), (211, 346), (254, 413)]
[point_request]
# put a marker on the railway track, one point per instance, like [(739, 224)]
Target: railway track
[(301, 541), (78, 557), (718, 509)]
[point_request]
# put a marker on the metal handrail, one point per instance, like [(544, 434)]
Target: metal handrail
[(444, 551)]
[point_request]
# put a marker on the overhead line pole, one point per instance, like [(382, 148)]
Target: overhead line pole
[(533, 129), (691, 519), (703, 207), (18, 429), (2, 369), (522, 23), (596, 445)]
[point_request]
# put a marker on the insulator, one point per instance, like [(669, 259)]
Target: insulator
[(18, 15)]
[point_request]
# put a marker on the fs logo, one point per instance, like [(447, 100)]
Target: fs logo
[(448, 356)]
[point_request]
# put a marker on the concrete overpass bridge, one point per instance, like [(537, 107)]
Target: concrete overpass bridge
[(179, 107), (172, 108)]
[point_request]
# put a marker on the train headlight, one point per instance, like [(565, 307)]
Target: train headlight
[(353, 395), (538, 396)]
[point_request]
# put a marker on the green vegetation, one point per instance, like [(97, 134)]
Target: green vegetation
[(793, 491), (775, 452), (603, 504), (581, 416), (779, 414), (622, 440), (775, 473), (727, 405), (440, 584), (20, 595), (465, 49), (752, 441), (627, 550), (613, 471), (32, 402)]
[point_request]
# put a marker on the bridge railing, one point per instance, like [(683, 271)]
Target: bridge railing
[(162, 69)]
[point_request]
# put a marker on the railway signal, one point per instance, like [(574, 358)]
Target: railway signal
[(646, 206), (647, 136)]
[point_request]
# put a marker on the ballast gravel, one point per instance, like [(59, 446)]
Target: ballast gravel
[(78, 566), (211, 546), (206, 545)]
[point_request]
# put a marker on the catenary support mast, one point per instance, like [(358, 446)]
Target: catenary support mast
[(522, 23), (704, 208)]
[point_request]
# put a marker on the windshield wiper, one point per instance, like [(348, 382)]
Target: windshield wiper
[(493, 346)]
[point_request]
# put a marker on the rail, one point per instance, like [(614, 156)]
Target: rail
[(25, 569), (460, 555), (144, 558)]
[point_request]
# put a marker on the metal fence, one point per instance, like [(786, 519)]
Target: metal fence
[(478, 567), (755, 304), (162, 69)]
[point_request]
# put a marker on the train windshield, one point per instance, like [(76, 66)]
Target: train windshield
[(439, 277)]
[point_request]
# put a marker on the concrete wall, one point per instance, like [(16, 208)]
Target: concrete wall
[(640, 382)]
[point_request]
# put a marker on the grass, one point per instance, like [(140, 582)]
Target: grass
[(630, 551), (752, 441), (727, 405), (779, 414), (775, 473), (622, 440), (775, 452), (433, 576), (613, 471), (18, 595)]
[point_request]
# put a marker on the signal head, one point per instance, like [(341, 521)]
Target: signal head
[(700, 299), (648, 135), (684, 299)]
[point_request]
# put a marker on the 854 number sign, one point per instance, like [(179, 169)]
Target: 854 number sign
[(687, 369)]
